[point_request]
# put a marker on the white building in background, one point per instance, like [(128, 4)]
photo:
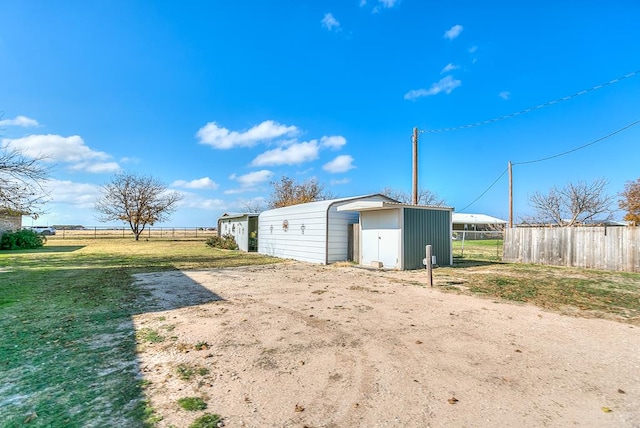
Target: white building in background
[(243, 227), (477, 222)]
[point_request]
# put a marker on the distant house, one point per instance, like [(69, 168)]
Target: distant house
[(10, 221), (477, 222)]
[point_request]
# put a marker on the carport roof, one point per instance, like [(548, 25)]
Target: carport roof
[(385, 205)]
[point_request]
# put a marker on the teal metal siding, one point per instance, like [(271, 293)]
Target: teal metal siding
[(424, 227)]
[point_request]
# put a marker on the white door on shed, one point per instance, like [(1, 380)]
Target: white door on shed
[(380, 237)]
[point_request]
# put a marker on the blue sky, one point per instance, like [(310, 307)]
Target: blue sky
[(218, 99)]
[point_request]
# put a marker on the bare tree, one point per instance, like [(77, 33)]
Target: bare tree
[(252, 206), (630, 201), (136, 200), (287, 192), (576, 203), (425, 196), (21, 181)]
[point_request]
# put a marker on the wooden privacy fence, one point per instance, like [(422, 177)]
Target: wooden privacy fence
[(604, 248)]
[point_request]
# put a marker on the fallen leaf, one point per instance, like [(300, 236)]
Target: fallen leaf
[(517, 350), (607, 410), (419, 342), (299, 408), (620, 391), (31, 417), (453, 400)]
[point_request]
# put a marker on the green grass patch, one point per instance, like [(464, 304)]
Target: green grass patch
[(149, 335), (68, 344), (192, 403), (486, 249), (206, 421), (187, 372)]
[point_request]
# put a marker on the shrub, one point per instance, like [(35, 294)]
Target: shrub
[(21, 240), (226, 242)]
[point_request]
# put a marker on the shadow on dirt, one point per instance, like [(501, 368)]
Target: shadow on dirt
[(165, 291)]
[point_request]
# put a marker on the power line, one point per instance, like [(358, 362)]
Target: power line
[(551, 157), (580, 147), (488, 188), (527, 110)]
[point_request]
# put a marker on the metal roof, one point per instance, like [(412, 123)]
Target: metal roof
[(324, 205), (463, 218), (238, 215), (385, 205)]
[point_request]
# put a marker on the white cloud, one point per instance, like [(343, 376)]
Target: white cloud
[(96, 167), (342, 163), (453, 32), (81, 195), (210, 204), (253, 178), (72, 150), (221, 138), (249, 182), (294, 154), (200, 183), (330, 22), (130, 160), (446, 84), (191, 200), (22, 121), (338, 182), (449, 67), (505, 95), (388, 3), (239, 190), (384, 4), (473, 49), (334, 142), (363, 3)]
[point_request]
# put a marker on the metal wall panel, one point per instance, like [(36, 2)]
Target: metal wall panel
[(424, 227)]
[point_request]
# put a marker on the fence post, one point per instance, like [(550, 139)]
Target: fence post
[(464, 232)]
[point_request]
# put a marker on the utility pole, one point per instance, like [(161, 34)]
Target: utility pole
[(510, 196), (414, 196)]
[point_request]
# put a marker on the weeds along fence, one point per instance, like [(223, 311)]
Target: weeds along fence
[(102, 232), (612, 248)]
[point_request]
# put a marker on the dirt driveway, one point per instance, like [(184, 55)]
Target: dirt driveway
[(300, 345)]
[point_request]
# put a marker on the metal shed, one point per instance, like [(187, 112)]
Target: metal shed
[(395, 236), (314, 232), (243, 227)]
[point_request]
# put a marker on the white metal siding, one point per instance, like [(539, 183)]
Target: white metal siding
[(321, 242), (293, 243), (239, 229)]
